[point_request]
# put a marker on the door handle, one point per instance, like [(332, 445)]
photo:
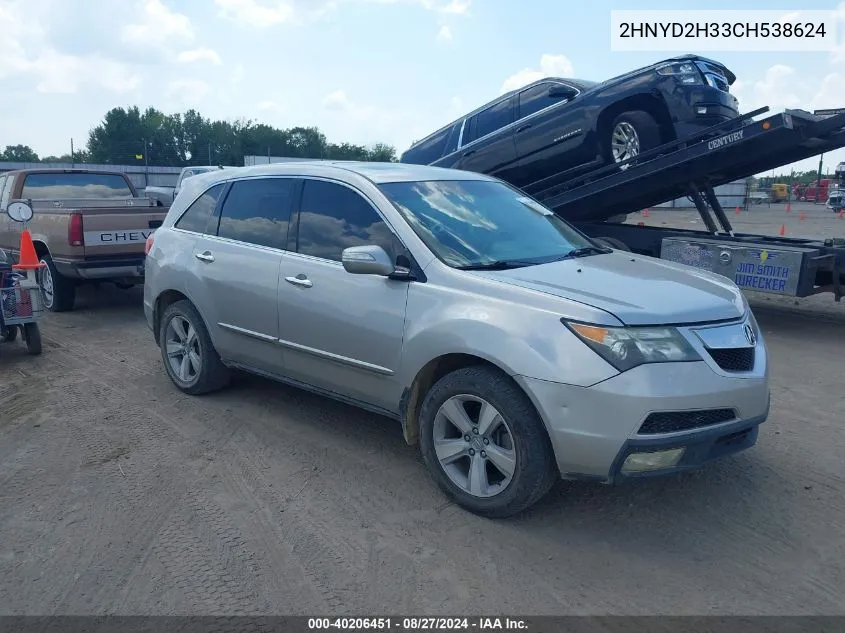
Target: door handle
[(523, 128), (299, 280), (205, 257), (469, 153)]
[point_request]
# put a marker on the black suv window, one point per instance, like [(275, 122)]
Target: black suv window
[(333, 217), (535, 99), (196, 217), (257, 211), (427, 151), (493, 118)]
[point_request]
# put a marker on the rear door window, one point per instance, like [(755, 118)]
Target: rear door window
[(493, 118), (257, 211), (195, 218)]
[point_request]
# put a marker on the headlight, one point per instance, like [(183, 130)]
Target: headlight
[(629, 347), (686, 72)]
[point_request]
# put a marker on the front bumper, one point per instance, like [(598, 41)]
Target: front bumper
[(694, 108), (594, 429)]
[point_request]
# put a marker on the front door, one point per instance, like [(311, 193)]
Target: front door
[(236, 265), (340, 332), (549, 135)]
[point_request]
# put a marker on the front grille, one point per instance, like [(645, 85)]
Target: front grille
[(734, 359), (673, 421)]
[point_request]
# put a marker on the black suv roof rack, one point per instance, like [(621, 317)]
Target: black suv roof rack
[(736, 149)]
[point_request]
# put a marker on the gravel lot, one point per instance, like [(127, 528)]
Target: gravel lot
[(119, 495)]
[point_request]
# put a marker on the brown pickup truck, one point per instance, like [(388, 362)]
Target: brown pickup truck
[(88, 226)]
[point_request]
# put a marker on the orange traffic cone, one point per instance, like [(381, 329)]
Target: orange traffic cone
[(737, 210), (28, 259), (645, 213), (842, 215), (640, 223), (782, 231), (801, 216), (789, 207)]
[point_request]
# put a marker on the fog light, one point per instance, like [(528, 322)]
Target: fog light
[(701, 110), (657, 460)]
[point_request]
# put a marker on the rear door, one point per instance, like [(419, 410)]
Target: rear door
[(549, 134), (488, 143), (235, 270)]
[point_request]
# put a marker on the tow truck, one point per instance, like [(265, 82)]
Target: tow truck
[(597, 202)]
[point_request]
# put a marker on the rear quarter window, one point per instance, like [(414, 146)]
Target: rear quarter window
[(74, 186), (428, 150)]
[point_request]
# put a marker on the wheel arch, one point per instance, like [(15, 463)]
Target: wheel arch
[(164, 300), (646, 102), (427, 376)]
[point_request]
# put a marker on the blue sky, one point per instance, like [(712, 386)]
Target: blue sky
[(362, 70)]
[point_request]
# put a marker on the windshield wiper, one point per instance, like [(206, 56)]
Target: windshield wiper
[(583, 252), (499, 264)]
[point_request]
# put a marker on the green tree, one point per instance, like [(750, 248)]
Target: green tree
[(19, 154)]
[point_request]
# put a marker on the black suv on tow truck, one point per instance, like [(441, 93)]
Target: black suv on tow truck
[(555, 126)]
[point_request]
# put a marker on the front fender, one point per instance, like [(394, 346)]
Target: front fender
[(520, 339)]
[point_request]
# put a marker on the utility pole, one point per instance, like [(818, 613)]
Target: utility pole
[(146, 166), (209, 152), (72, 161), (819, 179)]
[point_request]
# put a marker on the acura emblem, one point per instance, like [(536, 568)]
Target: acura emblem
[(749, 334)]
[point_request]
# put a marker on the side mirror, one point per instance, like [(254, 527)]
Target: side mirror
[(20, 211), (367, 260), (562, 92)]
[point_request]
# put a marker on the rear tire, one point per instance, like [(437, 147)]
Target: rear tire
[(8, 334), (188, 353), (32, 336), (631, 134), (506, 465), (58, 293)]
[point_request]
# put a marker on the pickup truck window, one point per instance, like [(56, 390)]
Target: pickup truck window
[(535, 99), (492, 119), (257, 211), (63, 186), (195, 218), (474, 222), (429, 150)]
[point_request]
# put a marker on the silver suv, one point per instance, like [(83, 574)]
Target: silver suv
[(511, 347)]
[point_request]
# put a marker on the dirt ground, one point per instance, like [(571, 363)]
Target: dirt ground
[(119, 495)]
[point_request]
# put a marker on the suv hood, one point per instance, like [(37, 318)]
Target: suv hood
[(636, 290)]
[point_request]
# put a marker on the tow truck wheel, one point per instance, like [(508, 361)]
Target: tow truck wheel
[(58, 293), (631, 134)]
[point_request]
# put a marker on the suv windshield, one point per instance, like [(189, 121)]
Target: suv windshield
[(478, 223)]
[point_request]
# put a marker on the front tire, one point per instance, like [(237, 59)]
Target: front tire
[(484, 443), (631, 134), (188, 353), (57, 293)]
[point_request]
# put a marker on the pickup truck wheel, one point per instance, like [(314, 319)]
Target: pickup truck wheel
[(484, 443), (188, 353), (58, 293), (631, 134)]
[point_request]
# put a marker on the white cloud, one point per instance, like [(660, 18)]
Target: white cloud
[(451, 7), (337, 100), (779, 88), (444, 34), (201, 54), (550, 66), (187, 92), (267, 105), (159, 27), (256, 14)]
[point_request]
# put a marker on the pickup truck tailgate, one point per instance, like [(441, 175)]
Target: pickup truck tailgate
[(118, 230)]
